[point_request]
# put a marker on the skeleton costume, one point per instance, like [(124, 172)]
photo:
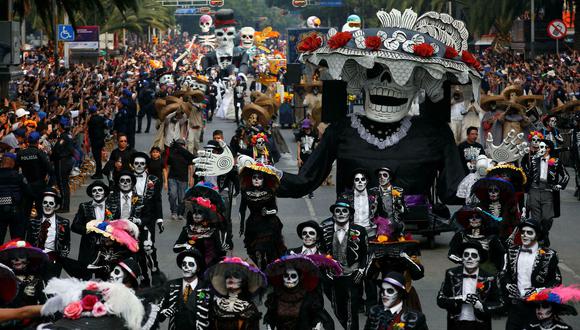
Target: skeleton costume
[(206, 39), (469, 294), (528, 266), (550, 304), (311, 234), (235, 282), (551, 132), (364, 200), (390, 199), (263, 229)]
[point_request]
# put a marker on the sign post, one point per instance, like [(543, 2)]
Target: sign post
[(557, 30)]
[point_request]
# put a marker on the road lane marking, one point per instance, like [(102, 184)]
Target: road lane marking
[(310, 207)]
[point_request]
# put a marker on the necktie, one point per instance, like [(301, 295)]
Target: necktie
[(126, 210), (43, 233), (470, 276), (186, 293), (526, 250)]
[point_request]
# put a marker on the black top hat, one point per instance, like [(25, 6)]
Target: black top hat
[(54, 193), (126, 172), (384, 168), (546, 118), (474, 245), (356, 171), (549, 144), (534, 224), (213, 144), (140, 154), (131, 267), (309, 223), (395, 279), (224, 18), (194, 253), (343, 203), (97, 183)]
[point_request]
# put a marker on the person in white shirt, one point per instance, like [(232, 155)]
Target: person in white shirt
[(310, 233)]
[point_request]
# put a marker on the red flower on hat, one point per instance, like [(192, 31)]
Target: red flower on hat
[(450, 52), (423, 50), (310, 43), (373, 42), (470, 60), (73, 310), (340, 39), (89, 301)]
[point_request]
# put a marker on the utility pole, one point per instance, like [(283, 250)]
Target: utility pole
[(533, 28), (55, 27)]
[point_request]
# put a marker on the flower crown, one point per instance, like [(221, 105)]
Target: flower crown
[(205, 203), (259, 136), (535, 133)]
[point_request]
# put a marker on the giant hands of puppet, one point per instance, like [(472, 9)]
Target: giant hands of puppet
[(210, 164), (510, 150)]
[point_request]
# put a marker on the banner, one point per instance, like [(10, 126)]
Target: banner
[(87, 33)]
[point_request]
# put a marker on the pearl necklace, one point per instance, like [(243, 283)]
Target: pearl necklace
[(389, 140)]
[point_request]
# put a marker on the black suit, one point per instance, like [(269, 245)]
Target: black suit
[(88, 248), (192, 314), (239, 60), (489, 296), (97, 126), (379, 319), (61, 243), (125, 157)]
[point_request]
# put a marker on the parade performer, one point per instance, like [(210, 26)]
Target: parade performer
[(296, 301), (347, 244), (392, 313), (125, 203), (263, 229), (262, 151), (364, 200), (550, 304), (311, 235), (236, 282), (187, 299), (51, 233), (482, 164), (390, 200), (547, 177), (469, 294), (528, 267), (551, 131)]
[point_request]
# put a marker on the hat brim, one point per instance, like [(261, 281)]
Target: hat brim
[(481, 186), (97, 323), (252, 108), (37, 259), (523, 99), (256, 280), (312, 224), (98, 184), (206, 192), (333, 206), (9, 287), (516, 175), (309, 273), (463, 215), (566, 107), (487, 99)]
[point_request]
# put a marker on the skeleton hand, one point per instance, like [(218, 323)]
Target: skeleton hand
[(358, 275), (244, 161), (160, 225), (509, 150), (136, 221), (455, 258), (474, 300), (168, 312), (210, 164), (513, 290), (30, 290), (557, 187), (239, 305), (318, 326)]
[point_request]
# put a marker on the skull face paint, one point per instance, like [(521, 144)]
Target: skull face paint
[(19, 264), (389, 295), (117, 275), (552, 122), (470, 259), (360, 182), (247, 36), (139, 165), (205, 23), (253, 119), (544, 311), (48, 206), (535, 142), (260, 144), (542, 149), (529, 236), (493, 192), (475, 221), (257, 180), (341, 214), (188, 267), (309, 236), (291, 278), (384, 178), (197, 216), (98, 194), (233, 281), (125, 183)]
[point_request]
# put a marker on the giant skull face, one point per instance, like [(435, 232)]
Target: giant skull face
[(205, 23), (49, 206), (125, 183), (291, 278), (247, 36), (225, 37), (309, 236), (542, 149), (544, 311), (188, 267), (341, 214), (98, 194), (389, 295), (117, 275), (360, 182), (471, 258), (529, 236), (139, 164)]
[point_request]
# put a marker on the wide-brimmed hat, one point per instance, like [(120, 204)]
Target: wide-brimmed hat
[(524, 99), (435, 42), (508, 105), (131, 266), (97, 183), (261, 113), (254, 278), (9, 287), (481, 186), (395, 279), (568, 106), (195, 95), (140, 154), (514, 174), (309, 273), (465, 213), (558, 297), (205, 204), (512, 89), (271, 174), (195, 254), (121, 231), (312, 224), (474, 245), (342, 202), (207, 190), (37, 259), (488, 100)]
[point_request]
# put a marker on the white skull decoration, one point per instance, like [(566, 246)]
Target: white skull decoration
[(167, 79), (291, 278), (542, 149), (471, 258), (260, 144), (552, 122), (205, 23), (247, 36), (117, 275), (313, 22), (49, 206), (529, 236), (188, 267), (360, 182), (139, 165), (225, 37), (309, 236), (389, 295)]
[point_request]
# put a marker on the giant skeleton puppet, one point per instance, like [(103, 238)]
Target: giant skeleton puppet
[(206, 39)]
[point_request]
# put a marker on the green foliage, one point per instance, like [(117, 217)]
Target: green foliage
[(257, 14)]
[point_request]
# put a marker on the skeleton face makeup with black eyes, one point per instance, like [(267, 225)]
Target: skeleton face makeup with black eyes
[(260, 144), (535, 142), (247, 36), (139, 165), (309, 236), (529, 236), (117, 275), (542, 149), (384, 178), (257, 180), (98, 194), (493, 192), (225, 37), (233, 281), (291, 278), (197, 216), (253, 119), (544, 311), (188, 267), (389, 295), (360, 182), (19, 264), (475, 221), (552, 122), (48, 206), (471, 258), (125, 183), (341, 214)]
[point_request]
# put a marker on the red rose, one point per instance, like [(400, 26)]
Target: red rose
[(373, 42), (470, 60), (150, 184), (450, 52), (340, 39), (73, 310), (89, 301), (423, 50), (310, 43)]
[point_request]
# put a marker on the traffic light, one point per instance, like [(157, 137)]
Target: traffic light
[(155, 40)]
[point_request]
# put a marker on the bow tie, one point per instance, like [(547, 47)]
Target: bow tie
[(470, 276), (98, 206), (142, 175), (341, 229), (526, 250)]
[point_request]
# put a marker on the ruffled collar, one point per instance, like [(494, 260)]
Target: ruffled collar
[(381, 135)]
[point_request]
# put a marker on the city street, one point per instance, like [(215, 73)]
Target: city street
[(294, 211)]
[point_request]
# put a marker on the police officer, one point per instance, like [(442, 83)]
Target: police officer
[(37, 170), (62, 155), (12, 190)]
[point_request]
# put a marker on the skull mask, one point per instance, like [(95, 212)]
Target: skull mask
[(125, 183), (529, 236), (309, 236), (475, 221), (313, 22), (341, 214), (19, 264), (291, 278), (117, 275), (389, 295), (360, 182), (139, 165), (257, 180), (197, 216), (260, 144), (205, 23), (247, 36), (542, 149), (535, 142), (48, 206), (493, 192), (98, 194), (471, 258), (224, 52), (188, 267), (233, 281), (544, 311), (552, 122), (384, 178), (253, 119)]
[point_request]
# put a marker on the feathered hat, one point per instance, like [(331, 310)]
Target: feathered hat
[(559, 297), (254, 278), (121, 231), (35, 257)]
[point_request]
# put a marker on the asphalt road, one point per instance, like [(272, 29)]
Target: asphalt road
[(294, 211)]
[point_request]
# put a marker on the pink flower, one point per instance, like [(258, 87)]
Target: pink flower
[(99, 309), (89, 301), (150, 184), (551, 162), (92, 286), (73, 310)]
